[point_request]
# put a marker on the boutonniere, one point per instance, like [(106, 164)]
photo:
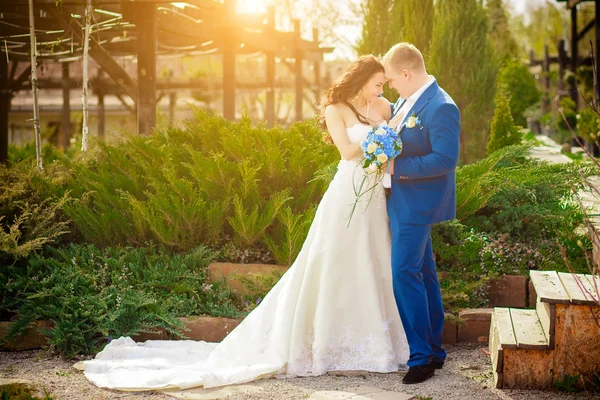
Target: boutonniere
[(413, 121)]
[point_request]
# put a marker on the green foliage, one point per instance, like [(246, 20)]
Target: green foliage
[(28, 219), (217, 181), (522, 87), (513, 214), (568, 108), (21, 391), (418, 23), (503, 131), (568, 383), (17, 154), (588, 124), (501, 37), (93, 295), (256, 287), (462, 60), (388, 22)]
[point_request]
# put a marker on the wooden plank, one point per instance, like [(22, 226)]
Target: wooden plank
[(578, 288), (495, 347), (528, 330), (594, 286), (548, 287), (505, 328), (547, 315)]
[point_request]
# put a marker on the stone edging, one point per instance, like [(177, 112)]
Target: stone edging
[(474, 326)]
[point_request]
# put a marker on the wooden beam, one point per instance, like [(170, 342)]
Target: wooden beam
[(146, 23), (125, 104), (22, 78), (572, 3), (585, 30), (98, 53), (317, 67)]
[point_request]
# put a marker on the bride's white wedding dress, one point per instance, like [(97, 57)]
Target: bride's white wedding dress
[(333, 310)]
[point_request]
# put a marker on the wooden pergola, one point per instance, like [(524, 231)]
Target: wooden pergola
[(148, 29), (576, 36)]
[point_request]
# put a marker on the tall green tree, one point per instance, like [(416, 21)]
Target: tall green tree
[(461, 58), (376, 28), (503, 131), (418, 23), (387, 22), (501, 37)]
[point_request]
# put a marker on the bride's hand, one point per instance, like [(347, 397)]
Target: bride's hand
[(394, 122)]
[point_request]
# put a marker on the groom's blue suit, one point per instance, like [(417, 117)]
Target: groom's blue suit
[(423, 193)]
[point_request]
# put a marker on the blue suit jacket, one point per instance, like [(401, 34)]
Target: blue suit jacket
[(424, 181)]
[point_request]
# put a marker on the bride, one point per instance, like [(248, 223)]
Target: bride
[(333, 310)]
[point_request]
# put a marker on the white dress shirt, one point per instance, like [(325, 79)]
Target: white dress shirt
[(408, 104)]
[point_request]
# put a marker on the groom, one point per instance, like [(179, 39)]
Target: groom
[(423, 192)]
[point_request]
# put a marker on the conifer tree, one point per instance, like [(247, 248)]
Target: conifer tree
[(503, 131)]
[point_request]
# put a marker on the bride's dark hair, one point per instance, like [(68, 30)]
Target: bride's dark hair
[(348, 86)]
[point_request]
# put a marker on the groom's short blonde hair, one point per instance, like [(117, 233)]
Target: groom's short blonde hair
[(404, 56)]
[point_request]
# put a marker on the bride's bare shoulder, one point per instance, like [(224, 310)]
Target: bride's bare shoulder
[(336, 110)]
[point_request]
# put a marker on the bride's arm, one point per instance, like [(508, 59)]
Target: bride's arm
[(337, 130)]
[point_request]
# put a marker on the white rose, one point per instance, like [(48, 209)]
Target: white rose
[(382, 158), (372, 147), (411, 122), (380, 132), (372, 168)]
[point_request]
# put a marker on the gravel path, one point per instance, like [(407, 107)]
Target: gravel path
[(466, 376)]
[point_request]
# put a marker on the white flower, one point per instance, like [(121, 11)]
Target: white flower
[(380, 132), (382, 158), (372, 168), (372, 147), (411, 122)]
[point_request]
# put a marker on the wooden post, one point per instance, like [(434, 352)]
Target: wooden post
[(562, 64), (574, 57), (317, 68), (146, 23), (65, 125), (270, 71), (172, 106), (229, 44), (298, 70), (5, 97), (101, 110), (546, 75), (597, 48)]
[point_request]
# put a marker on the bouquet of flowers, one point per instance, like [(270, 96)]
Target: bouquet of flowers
[(382, 144)]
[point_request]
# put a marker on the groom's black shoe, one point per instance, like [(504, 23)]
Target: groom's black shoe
[(418, 374), (437, 365)]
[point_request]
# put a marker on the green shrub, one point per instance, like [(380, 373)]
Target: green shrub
[(92, 295), (217, 181), (28, 218), (522, 87), (503, 131), (588, 124)]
